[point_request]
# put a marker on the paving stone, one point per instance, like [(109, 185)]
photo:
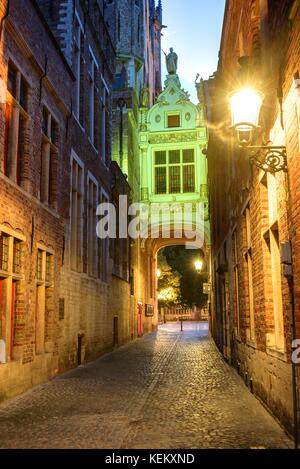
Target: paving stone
[(166, 390)]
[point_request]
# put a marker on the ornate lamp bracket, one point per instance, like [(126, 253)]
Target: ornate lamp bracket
[(270, 159)]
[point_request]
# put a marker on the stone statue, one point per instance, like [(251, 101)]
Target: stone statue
[(200, 89), (171, 62), (144, 97)]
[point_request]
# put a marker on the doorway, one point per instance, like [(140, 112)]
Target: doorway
[(79, 349), (140, 320), (116, 330)]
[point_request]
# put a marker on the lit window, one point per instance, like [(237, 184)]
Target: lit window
[(174, 171)]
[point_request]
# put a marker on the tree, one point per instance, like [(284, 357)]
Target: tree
[(182, 260), (168, 284)]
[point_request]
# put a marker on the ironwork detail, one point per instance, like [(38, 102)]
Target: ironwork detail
[(270, 159)]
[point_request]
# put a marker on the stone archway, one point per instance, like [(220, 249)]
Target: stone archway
[(153, 245)]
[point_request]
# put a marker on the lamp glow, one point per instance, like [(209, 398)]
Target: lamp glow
[(245, 107), (158, 273), (198, 265)]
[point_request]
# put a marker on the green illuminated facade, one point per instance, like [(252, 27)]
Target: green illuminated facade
[(172, 138)]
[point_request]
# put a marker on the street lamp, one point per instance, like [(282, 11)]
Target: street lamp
[(245, 109), (198, 265), (245, 106), (158, 273)]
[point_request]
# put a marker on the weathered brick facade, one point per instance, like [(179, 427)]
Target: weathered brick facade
[(252, 213), (24, 218), (65, 296)]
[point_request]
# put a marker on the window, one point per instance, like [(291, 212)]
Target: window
[(4, 250), (249, 274), (105, 150), (16, 124), (120, 249), (275, 328), (17, 256), (91, 227), (174, 171), (76, 215), (173, 120), (44, 320), (103, 249), (93, 99), (49, 158), (11, 292), (79, 69)]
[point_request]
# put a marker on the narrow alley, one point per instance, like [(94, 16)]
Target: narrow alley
[(170, 389)]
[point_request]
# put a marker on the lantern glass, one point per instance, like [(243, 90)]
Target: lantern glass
[(245, 107), (198, 265)]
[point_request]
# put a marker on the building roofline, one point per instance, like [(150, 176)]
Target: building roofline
[(53, 39), (223, 31)]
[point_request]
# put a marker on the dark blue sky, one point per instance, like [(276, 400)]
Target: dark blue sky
[(194, 31)]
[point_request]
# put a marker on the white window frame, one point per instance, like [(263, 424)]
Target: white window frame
[(93, 89), (77, 40), (105, 246), (75, 157), (94, 271), (168, 165), (105, 94)]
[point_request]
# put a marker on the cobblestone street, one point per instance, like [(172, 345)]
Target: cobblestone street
[(167, 390)]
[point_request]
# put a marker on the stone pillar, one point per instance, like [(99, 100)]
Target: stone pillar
[(144, 176)]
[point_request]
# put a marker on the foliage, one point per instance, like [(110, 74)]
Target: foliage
[(168, 284), (181, 260)]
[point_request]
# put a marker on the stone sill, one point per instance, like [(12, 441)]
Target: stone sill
[(85, 276), (119, 277), (276, 353), (251, 344), (30, 196)]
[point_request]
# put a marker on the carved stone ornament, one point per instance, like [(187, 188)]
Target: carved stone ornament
[(173, 138)]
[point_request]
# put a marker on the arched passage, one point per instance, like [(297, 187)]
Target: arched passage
[(152, 246)]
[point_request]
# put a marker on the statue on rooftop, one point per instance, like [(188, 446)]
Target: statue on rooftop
[(200, 89), (171, 62)]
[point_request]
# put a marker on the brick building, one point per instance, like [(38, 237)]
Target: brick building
[(253, 212), (35, 80), (66, 296)]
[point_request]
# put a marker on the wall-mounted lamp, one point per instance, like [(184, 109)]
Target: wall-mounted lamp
[(198, 265), (245, 106)]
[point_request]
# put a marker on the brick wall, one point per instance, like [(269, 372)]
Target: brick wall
[(273, 42)]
